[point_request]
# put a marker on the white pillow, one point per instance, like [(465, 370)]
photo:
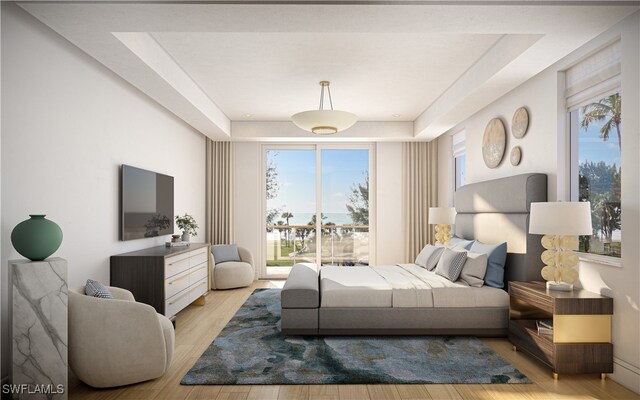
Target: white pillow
[(429, 256), (474, 269)]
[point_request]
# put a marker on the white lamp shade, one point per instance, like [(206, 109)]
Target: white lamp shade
[(442, 215), (560, 218), (324, 122)]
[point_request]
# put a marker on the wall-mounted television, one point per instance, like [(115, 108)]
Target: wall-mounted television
[(146, 203)]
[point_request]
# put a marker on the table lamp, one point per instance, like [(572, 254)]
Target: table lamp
[(560, 223), (442, 217)]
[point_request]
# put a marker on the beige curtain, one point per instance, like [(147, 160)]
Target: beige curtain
[(219, 190), (420, 192)]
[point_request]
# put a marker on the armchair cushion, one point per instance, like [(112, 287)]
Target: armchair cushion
[(233, 274), (97, 289), (225, 252)]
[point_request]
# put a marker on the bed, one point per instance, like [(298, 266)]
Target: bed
[(407, 299)]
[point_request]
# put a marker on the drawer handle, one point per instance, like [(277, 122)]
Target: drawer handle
[(178, 298), (178, 279), (199, 269)]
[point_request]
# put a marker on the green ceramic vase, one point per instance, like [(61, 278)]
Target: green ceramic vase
[(36, 238)]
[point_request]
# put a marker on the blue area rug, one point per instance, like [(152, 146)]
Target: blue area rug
[(250, 350)]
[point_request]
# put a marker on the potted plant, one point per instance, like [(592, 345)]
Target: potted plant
[(187, 225)]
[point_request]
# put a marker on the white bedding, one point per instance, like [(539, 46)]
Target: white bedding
[(402, 285)]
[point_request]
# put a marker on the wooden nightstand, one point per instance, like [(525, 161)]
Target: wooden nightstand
[(581, 338)]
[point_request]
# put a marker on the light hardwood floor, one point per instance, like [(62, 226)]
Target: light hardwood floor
[(197, 326)]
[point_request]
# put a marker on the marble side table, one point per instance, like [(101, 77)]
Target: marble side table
[(38, 321)]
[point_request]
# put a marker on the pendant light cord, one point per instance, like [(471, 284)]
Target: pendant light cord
[(322, 96)]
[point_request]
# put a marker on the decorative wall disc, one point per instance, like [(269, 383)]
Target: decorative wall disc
[(493, 143), (516, 155), (520, 123)]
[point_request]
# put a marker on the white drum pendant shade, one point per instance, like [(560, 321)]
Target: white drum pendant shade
[(321, 121), (324, 122)]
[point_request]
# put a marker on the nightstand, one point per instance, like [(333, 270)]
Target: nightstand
[(580, 341)]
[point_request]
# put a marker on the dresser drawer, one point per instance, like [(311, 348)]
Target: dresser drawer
[(177, 283), (198, 272), (175, 265), (199, 288), (176, 303), (197, 257)]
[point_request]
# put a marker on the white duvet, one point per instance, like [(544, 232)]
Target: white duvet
[(402, 285)]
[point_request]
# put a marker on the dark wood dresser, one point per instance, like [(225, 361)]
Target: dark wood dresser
[(167, 278), (580, 341)]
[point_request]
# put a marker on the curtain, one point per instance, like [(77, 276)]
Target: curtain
[(420, 188), (219, 189)]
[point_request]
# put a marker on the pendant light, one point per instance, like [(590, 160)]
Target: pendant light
[(324, 122)]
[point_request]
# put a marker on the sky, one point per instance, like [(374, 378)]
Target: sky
[(593, 148), (341, 169)]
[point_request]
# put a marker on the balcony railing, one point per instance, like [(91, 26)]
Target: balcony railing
[(339, 244)]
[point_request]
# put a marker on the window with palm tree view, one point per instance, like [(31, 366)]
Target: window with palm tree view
[(317, 207), (596, 171)]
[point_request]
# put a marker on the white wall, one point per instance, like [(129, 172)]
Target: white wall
[(69, 124), (544, 150), (247, 199), (247, 203), (390, 221)]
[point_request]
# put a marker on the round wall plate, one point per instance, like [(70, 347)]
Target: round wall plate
[(520, 123), (493, 143), (515, 156)]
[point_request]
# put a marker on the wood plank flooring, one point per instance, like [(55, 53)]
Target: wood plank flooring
[(197, 326)]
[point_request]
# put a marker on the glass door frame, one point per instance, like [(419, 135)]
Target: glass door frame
[(318, 147)]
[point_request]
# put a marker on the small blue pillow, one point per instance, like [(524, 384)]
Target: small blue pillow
[(460, 243), (97, 289), (225, 252), (496, 258)]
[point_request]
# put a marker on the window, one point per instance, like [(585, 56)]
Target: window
[(459, 159), (594, 103), (317, 206), (596, 171)]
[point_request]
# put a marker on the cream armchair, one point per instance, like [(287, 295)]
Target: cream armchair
[(233, 274), (115, 342)]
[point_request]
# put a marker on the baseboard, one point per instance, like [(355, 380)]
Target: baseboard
[(626, 374)]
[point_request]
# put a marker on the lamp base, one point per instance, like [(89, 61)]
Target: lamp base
[(560, 287)]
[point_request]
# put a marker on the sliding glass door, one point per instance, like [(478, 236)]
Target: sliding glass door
[(317, 206), (345, 207), (290, 193)]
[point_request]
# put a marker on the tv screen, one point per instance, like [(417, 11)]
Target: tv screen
[(146, 200)]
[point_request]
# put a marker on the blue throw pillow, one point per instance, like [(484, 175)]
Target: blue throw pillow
[(97, 289), (225, 252), (459, 242), (496, 258)]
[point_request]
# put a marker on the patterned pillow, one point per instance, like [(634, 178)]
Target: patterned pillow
[(451, 263), (429, 256), (97, 289)]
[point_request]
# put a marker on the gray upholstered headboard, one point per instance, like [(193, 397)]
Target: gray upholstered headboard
[(497, 211)]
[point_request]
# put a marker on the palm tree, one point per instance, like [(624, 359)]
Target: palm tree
[(287, 215), (608, 109)]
